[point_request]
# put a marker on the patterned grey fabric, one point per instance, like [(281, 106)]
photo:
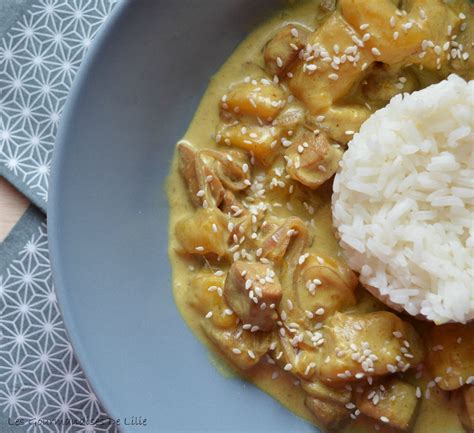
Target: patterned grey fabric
[(42, 387), (39, 58), (41, 383)]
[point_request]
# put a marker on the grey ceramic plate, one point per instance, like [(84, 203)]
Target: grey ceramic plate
[(108, 218)]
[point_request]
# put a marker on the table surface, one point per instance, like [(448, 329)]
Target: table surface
[(12, 206)]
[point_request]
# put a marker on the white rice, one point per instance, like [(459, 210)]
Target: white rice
[(403, 202)]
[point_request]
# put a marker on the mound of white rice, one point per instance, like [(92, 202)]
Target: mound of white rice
[(404, 198)]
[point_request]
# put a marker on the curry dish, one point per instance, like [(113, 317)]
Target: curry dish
[(257, 271)]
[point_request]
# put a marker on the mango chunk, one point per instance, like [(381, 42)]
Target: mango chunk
[(262, 142), (318, 78), (384, 20), (203, 233), (368, 344), (206, 296), (451, 354), (393, 402), (263, 99)]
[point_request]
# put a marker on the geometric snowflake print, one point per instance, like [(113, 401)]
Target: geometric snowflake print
[(39, 58), (40, 379)]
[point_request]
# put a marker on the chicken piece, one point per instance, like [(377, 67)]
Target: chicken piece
[(205, 295), (318, 82), (263, 99), (322, 288), (282, 50), (451, 354), (313, 159), (276, 244), (204, 233), (232, 168), (318, 389), (194, 172), (393, 402), (253, 291), (238, 214), (383, 21), (340, 122), (243, 348), (327, 414), (260, 141), (372, 344), (292, 355), (468, 395), (208, 173)]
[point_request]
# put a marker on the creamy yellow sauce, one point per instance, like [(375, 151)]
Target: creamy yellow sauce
[(435, 415), (200, 134)]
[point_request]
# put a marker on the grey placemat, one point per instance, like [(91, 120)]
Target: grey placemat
[(39, 58), (41, 383)]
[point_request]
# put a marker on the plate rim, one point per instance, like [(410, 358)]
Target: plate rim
[(60, 145)]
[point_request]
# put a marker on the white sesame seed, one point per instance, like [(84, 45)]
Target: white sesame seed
[(333, 77), (384, 419), (375, 51)]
